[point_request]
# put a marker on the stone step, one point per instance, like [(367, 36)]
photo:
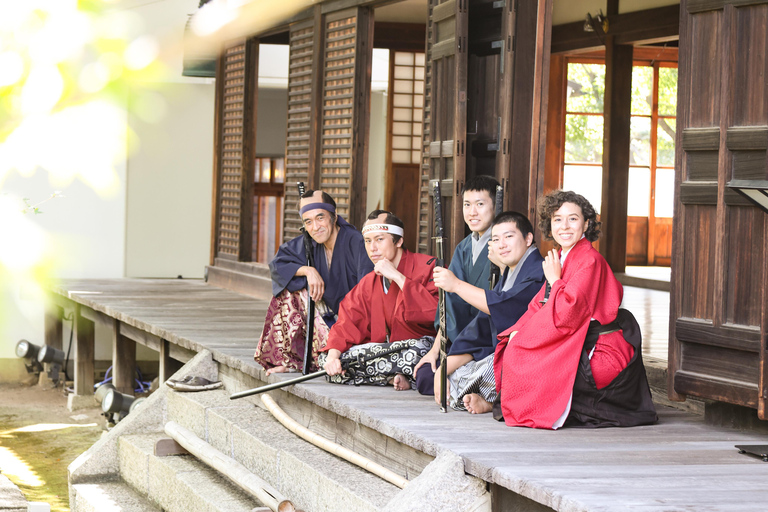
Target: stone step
[(177, 483), (311, 478), (110, 497)]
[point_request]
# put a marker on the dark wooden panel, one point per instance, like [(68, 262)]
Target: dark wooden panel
[(723, 364), (750, 101), (698, 193), (705, 79), (702, 165), (616, 147), (695, 6), (697, 275), (703, 332), (747, 138), (399, 36), (715, 389), (749, 165), (701, 139), (745, 257)]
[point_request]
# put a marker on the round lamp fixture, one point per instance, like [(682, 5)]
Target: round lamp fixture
[(48, 354), (26, 350)]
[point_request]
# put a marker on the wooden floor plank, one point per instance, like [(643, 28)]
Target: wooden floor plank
[(680, 464)]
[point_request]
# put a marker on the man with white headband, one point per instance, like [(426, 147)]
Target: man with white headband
[(393, 306), (340, 262)]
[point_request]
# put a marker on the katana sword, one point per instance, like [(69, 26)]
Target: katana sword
[(310, 303), (495, 270), (439, 233)]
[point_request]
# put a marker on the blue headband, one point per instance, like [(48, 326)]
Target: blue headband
[(314, 206)]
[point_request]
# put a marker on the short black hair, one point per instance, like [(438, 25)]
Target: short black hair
[(520, 220), (480, 183), (390, 219), (550, 203)]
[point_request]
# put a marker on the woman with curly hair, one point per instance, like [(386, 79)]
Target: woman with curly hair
[(573, 355)]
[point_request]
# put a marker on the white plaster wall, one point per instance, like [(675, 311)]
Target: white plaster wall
[(377, 142), (169, 189), (87, 233)]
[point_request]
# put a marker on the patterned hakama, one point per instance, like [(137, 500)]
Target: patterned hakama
[(379, 371), (282, 340), (473, 377)]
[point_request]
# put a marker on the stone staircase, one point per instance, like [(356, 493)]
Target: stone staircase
[(121, 472)]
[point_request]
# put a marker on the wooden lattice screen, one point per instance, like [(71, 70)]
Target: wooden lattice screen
[(299, 140), (231, 135), (344, 116)]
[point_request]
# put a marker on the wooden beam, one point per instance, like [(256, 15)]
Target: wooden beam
[(639, 27), (250, 102), (123, 360), (168, 365), (616, 138), (361, 116), (84, 352), (407, 37)]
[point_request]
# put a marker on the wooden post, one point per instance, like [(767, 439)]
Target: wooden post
[(84, 351), (123, 360), (54, 330), (168, 365), (618, 99)]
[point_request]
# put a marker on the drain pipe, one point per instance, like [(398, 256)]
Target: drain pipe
[(330, 446), (230, 468)]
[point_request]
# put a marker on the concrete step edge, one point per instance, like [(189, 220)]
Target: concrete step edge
[(110, 497), (307, 475), (177, 483)]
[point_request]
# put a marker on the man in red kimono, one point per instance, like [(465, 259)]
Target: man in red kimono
[(393, 306), (572, 355)]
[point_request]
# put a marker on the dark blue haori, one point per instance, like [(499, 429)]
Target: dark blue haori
[(349, 264), (479, 337), (459, 313)]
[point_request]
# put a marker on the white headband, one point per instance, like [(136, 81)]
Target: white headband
[(383, 228)]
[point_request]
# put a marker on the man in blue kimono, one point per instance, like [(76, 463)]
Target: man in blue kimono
[(470, 358), (469, 263), (340, 262)]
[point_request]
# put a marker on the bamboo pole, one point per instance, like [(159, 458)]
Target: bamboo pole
[(330, 446), (230, 468)]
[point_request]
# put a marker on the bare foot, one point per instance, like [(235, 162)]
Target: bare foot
[(400, 382), (476, 404), (277, 369)]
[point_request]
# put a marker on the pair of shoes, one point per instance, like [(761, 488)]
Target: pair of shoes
[(190, 383)]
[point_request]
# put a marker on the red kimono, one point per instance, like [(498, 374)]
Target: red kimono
[(535, 370), (366, 311)]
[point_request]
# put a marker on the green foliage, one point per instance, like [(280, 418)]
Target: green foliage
[(584, 133)]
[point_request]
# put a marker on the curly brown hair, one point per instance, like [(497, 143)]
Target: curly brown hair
[(550, 203)]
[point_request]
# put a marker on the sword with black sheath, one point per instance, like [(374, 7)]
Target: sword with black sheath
[(360, 361), (495, 270), (311, 303), (441, 296)]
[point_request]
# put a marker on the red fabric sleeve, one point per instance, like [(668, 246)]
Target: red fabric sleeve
[(419, 295), (354, 324)]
